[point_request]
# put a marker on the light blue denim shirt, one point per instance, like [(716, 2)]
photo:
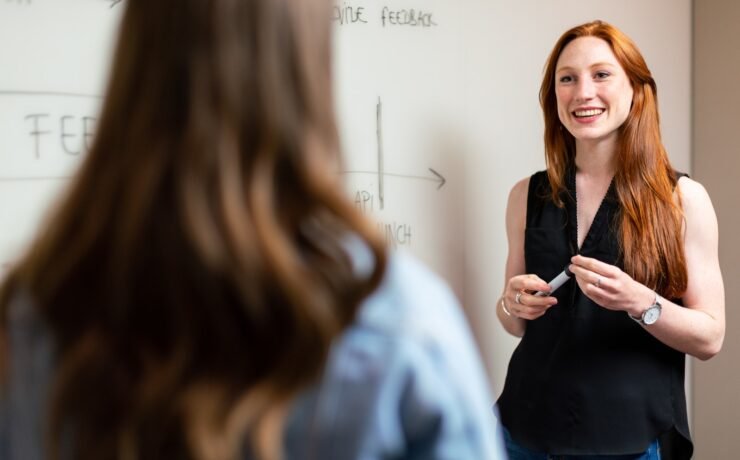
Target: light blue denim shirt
[(403, 382)]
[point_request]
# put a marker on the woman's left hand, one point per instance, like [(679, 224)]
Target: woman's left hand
[(610, 287)]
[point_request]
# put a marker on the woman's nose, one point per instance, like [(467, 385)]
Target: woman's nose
[(585, 89)]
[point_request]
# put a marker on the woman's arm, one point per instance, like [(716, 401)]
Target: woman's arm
[(697, 328), (530, 307)]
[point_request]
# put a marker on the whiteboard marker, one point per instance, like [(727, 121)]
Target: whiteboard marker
[(556, 283)]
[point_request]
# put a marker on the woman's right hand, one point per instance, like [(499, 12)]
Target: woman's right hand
[(520, 300), (515, 279)]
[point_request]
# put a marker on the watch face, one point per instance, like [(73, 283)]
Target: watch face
[(651, 315)]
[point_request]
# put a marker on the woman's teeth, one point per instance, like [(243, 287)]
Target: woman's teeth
[(588, 113)]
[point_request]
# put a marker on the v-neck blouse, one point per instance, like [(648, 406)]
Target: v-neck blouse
[(603, 214), (585, 380)]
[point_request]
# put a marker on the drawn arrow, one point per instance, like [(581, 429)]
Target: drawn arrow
[(442, 180), (437, 177)]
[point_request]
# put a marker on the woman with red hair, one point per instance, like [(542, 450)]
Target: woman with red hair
[(600, 367)]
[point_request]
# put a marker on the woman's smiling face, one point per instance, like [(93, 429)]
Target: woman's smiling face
[(593, 92)]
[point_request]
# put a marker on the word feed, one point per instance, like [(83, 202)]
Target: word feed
[(44, 134), (347, 14), (72, 133)]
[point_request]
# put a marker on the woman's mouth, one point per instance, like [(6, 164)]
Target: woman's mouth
[(588, 113)]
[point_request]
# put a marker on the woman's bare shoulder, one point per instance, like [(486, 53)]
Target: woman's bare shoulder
[(694, 197), (518, 193)]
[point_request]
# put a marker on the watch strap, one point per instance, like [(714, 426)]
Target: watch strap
[(641, 319)]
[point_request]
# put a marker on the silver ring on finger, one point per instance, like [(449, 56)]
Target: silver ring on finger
[(598, 281), (518, 297)]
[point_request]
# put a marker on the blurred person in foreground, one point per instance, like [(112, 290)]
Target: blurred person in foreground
[(204, 289)]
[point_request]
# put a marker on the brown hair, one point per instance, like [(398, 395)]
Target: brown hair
[(196, 272), (651, 220)]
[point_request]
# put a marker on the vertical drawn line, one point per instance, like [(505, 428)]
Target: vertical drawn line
[(379, 132)]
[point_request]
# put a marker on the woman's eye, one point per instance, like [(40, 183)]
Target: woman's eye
[(566, 79), (602, 75)]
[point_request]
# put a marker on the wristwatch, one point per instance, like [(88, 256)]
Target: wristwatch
[(651, 313)]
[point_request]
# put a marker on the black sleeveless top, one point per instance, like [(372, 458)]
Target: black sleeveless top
[(585, 379)]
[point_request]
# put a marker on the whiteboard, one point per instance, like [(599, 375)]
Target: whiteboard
[(401, 106), (54, 56), (436, 101)]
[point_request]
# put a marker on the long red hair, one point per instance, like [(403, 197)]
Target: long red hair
[(652, 217)]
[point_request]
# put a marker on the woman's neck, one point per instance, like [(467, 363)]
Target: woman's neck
[(596, 158)]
